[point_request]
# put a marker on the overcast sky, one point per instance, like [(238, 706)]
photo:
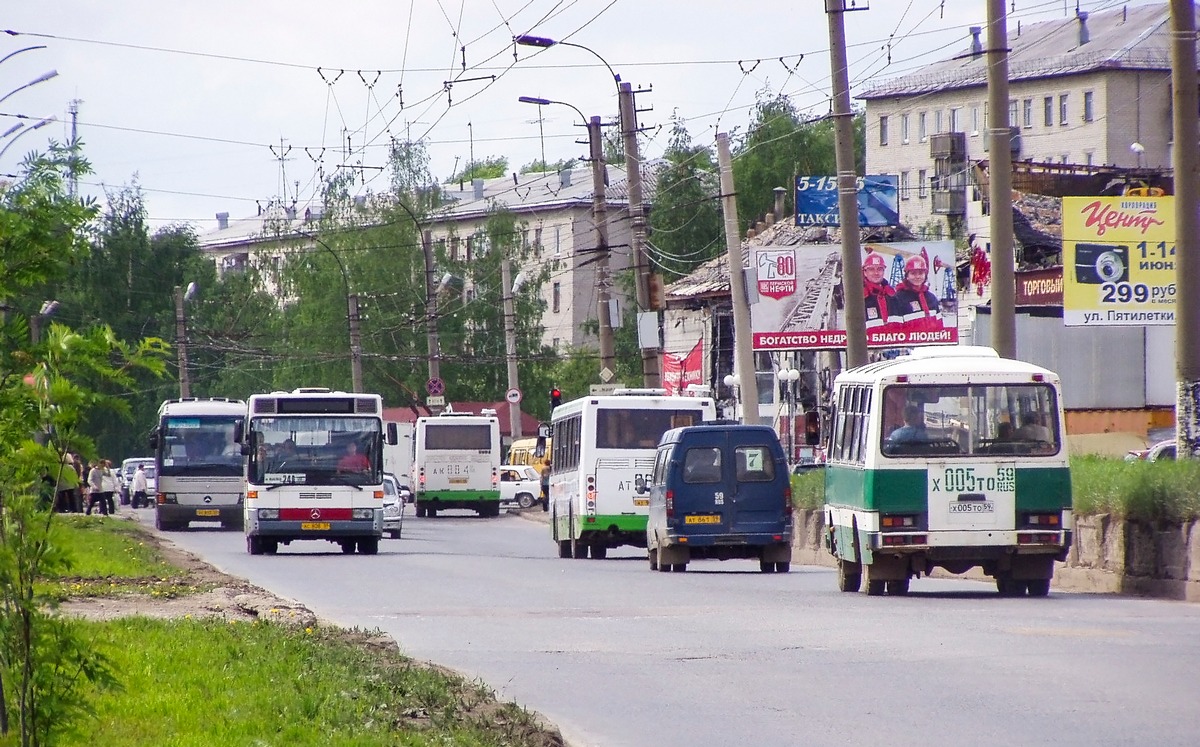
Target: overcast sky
[(221, 105)]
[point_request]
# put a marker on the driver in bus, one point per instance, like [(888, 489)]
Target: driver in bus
[(913, 430)]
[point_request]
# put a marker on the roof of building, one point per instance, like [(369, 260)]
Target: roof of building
[(529, 423), (529, 192), (1130, 38)]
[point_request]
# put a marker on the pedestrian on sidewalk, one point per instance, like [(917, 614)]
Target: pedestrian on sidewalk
[(95, 489)]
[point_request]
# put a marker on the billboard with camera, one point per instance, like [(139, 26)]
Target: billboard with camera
[(1118, 261)]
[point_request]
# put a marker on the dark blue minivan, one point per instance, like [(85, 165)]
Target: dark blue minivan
[(720, 491)]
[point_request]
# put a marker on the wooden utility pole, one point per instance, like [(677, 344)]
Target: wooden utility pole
[(1187, 227), (743, 346), (600, 219), (651, 376), (431, 308), (1004, 286), (847, 176)]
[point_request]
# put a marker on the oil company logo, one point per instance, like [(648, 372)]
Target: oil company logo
[(1136, 214), (776, 273)]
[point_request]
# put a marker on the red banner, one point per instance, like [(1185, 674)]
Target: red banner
[(679, 372)]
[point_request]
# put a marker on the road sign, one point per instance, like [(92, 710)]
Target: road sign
[(435, 387), (435, 401), (512, 396), (603, 388), (606, 374), (543, 430)]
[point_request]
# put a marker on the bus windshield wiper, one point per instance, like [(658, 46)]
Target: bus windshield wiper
[(343, 480)]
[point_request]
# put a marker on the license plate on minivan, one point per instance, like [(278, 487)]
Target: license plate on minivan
[(708, 519)]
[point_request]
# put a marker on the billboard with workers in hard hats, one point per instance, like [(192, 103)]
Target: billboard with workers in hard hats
[(908, 295)]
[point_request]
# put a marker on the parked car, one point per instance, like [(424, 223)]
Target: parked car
[(125, 476), (1161, 450), (393, 507), (520, 484)]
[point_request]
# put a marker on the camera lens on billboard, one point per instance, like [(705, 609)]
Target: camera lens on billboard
[(1109, 267)]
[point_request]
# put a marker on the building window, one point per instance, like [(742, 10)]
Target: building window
[(974, 120), (557, 240), (1027, 113), (1062, 109), (904, 129), (1089, 113), (1048, 106), (1089, 157), (922, 185), (537, 240), (922, 132), (937, 122), (883, 130), (453, 248), (1065, 158), (904, 185), (1012, 112), (556, 298), (956, 119), (470, 248)]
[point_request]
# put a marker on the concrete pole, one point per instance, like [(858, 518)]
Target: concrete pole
[(651, 376), (1004, 286), (600, 218), (352, 317), (843, 122), (742, 344), (1187, 228), (510, 347), (185, 387), (431, 308)]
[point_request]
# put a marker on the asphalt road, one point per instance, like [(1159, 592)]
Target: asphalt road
[(723, 655)]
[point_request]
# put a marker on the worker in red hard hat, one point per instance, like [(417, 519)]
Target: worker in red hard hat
[(919, 308), (878, 295)]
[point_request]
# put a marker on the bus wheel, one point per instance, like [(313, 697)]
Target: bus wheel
[(679, 568), (368, 546), (254, 545), (270, 547), (766, 566), (849, 576), (874, 587), (431, 512), (347, 546), (420, 512), (652, 554), (1009, 587), (599, 552), (1038, 587), (897, 588), (564, 548), (783, 567), (580, 549)]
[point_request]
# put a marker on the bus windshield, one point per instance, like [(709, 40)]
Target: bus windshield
[(992, 419), (305, 450), (200, 446)]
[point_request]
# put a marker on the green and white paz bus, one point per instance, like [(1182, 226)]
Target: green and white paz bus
[(949, 457)]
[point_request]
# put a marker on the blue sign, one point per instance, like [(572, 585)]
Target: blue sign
[(817, 201)]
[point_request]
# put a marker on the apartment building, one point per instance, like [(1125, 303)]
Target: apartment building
[(1091, 90)]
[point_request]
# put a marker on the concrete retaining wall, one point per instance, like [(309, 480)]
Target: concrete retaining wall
[(1108, 556)]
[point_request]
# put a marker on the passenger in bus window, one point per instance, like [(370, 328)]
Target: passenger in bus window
[(1032, 428), (913, 430), (352, 461)]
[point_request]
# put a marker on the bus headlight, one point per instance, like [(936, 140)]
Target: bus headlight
[(363, 513), (268, 514)]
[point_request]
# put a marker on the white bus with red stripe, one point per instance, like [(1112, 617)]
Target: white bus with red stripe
[(314, 469)]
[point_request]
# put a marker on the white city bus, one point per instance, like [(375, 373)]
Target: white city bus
[(314, 469), (198, 462), (602, 460), (456, 463)]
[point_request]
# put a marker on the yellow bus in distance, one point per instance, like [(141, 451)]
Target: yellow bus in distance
[(524, 451)]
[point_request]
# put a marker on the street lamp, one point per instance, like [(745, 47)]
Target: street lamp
[(529, 40), (788, 378), (35, 321), (25, 131), (40, 79), (600, 220), (734, 386)]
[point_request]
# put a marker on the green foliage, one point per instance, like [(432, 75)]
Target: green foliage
[(1162, 491), (491, 167), (686, 226), (779, 145), (808, 489), (540, 166)]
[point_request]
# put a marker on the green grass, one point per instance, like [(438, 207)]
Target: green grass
[(1164, 491), (212, 683)]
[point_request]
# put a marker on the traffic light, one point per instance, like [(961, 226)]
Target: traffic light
[(555, 398)]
